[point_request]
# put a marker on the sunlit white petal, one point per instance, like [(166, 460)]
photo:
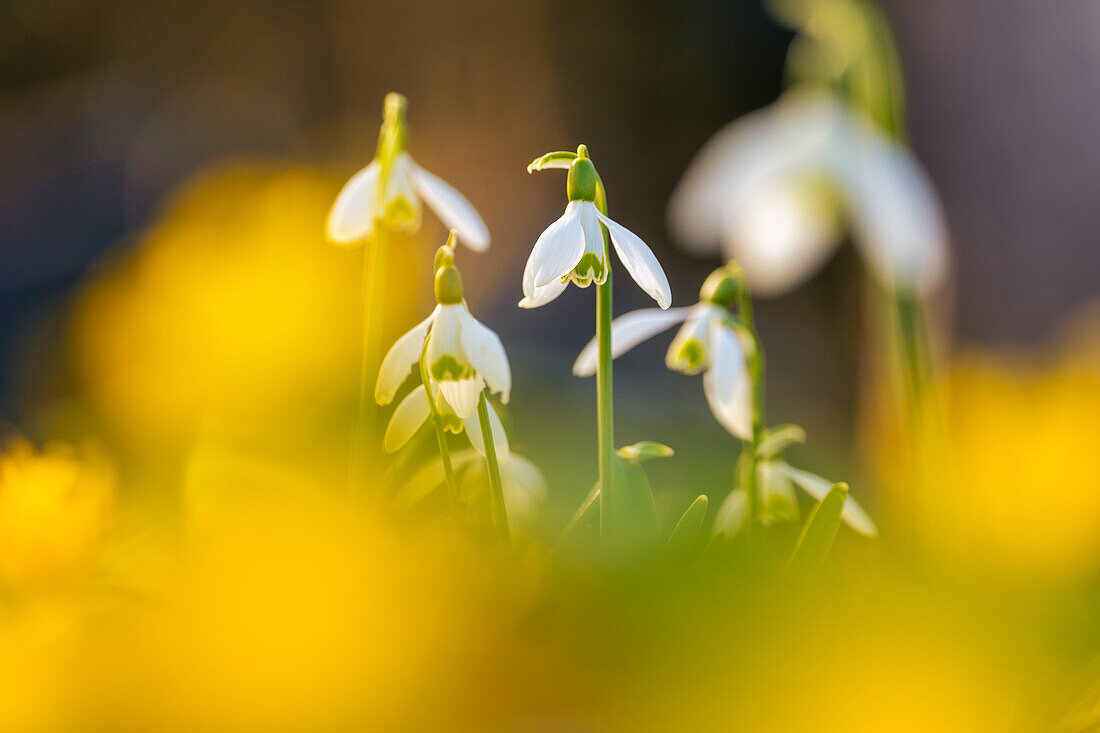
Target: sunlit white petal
[(399, 360), (627, 331), (486, 354), (639, 262), (558, 248), (407, 419), (462, 395), (542, 296), (727, 385), (452, 207), (472, 425), (352, 215)]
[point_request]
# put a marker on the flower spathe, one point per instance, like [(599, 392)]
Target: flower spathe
[(464, 356), (572, 248), (706, 342), (773, 190), (391, 189)]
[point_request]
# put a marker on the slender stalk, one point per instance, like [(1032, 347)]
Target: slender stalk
[(440, 435), (365, 433), (605, 410), (756, 378), (496, 490)]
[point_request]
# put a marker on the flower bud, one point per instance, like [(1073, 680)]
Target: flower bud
[(722, 285)]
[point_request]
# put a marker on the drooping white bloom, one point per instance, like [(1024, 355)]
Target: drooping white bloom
[(357, 207), (774, 189), (572, 248), (464, 356), (706, 342)]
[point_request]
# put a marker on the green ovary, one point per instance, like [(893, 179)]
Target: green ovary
[(590, 269), (449, 369)]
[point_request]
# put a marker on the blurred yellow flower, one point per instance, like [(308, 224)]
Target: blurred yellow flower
[(232, 309), (55, 508), (1008, 482)]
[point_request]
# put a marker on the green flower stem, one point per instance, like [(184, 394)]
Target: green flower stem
[(756, 378), (496, 490), (440, 435), (915, 357), (605, 415), (365, 434)]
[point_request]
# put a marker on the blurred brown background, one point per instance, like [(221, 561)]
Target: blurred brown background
[(106, 107)]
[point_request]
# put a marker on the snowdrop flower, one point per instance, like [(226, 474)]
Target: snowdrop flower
[(572, 248), (708, 342), (463, 357), (774, 190), (391, 189)]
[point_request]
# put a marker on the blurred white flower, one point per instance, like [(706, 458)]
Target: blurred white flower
[(357, 206), (775, 480), (775, 189), (706, 342)]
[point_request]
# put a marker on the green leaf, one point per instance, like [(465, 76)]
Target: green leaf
[(586, 513), (686, 536), (631, 525), (778, 439), (645, 450), (560, 159), (820, 531)]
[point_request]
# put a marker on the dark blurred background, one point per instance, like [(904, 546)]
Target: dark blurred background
[(108, 106)]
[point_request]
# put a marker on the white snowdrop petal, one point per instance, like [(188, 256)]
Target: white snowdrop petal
[(790, 138), (639, 262), (524, 490), (726, 384), (559, 248), (462, 395), (399, 360), (897, 220), (817, 487), (352, 215), (472, 426), (781, 234), (541, 296), (406, 420), (452, 207), (486, 354), (627, 331)]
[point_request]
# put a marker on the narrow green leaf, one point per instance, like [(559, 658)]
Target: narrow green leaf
[(685, 538), (820, 531), (586, 513)]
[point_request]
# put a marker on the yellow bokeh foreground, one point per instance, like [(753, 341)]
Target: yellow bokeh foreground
[(233, 310)]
